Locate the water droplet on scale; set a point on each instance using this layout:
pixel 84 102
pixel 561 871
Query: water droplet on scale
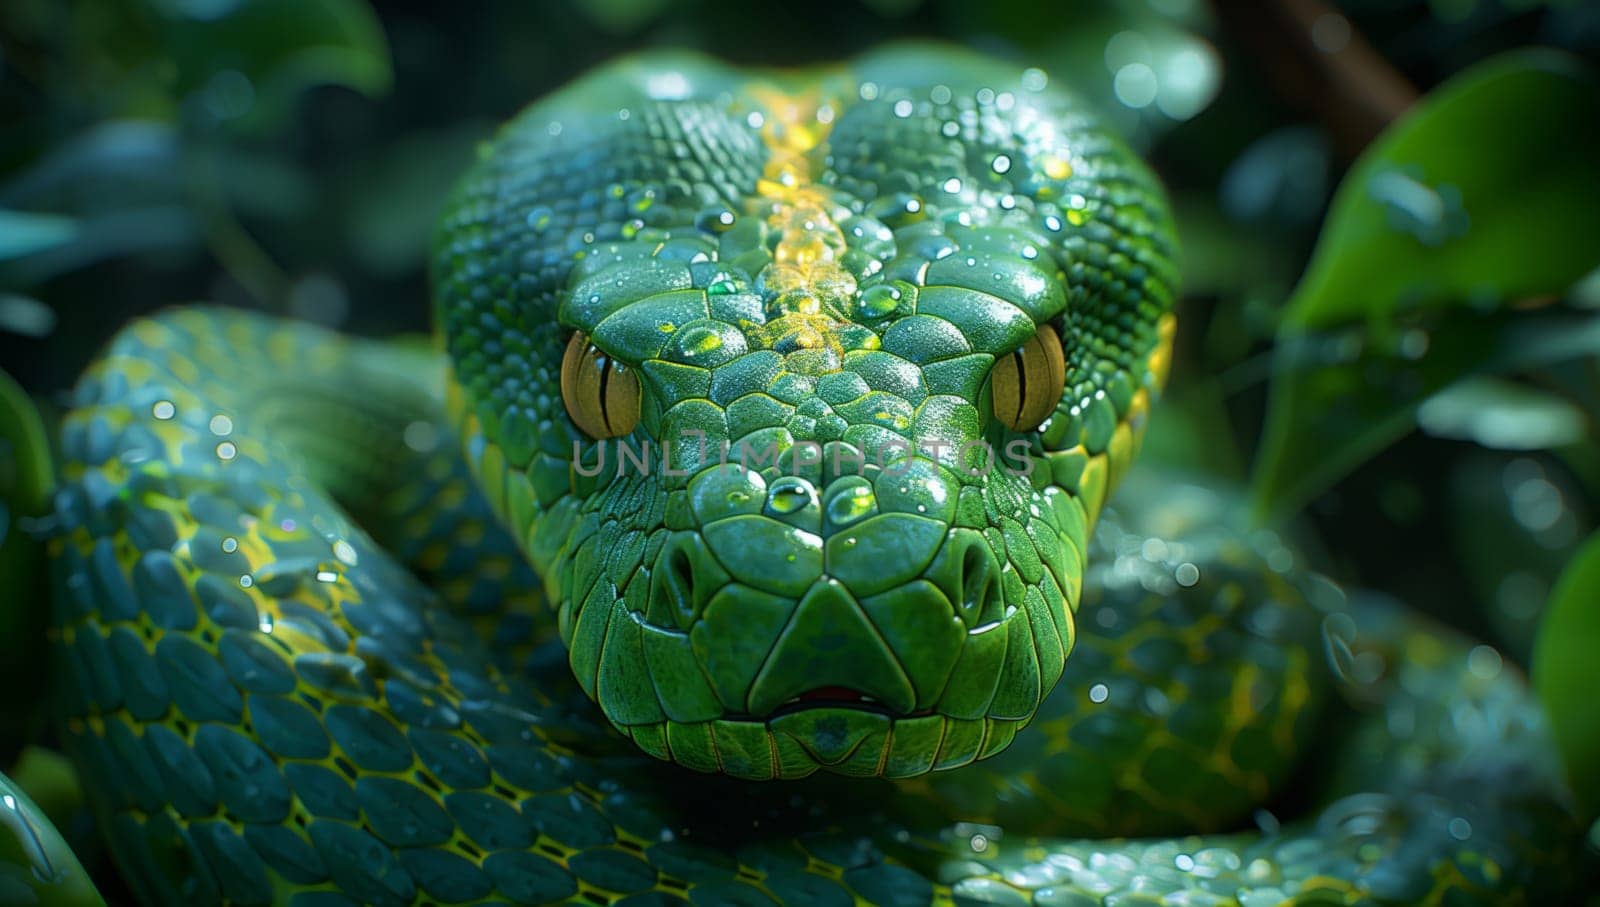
pixel 880 300
pixel 345 552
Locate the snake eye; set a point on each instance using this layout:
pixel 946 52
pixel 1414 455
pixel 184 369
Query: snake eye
pixel 601 394
pixel 1028 383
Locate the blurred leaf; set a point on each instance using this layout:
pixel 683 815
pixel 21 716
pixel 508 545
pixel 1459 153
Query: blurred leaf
pixel 120 186
pixel 109 235
pixel 247 60
pixel 26 316
pixel 1340 397
pixel 24 232
pixel 1487 192
pixel 115 164
pixel 1564 672
pixel 1501 415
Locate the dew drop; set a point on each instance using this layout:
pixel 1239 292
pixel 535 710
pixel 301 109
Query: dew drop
pixel 1187 574
pixel 715 219
pixel 880 300
pixel 789 494
pixel 1484 662
pixel 851 505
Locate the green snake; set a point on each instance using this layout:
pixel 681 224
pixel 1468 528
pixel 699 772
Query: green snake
pixel 730 544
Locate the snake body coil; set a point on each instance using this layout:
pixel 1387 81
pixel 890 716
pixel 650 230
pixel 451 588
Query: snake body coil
pixel 343 622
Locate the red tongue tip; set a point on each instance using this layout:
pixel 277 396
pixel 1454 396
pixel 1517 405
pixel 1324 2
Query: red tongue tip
pixel 833 694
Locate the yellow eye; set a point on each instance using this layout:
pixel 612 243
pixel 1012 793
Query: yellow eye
pixel 1028 383
pixel 601 394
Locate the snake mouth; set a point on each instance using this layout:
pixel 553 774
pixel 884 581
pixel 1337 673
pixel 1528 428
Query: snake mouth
pixel 838 697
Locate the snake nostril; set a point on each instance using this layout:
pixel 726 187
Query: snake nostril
pixel 980 586
pixel 672 600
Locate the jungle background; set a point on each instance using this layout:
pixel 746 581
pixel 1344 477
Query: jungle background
pixel 1390 227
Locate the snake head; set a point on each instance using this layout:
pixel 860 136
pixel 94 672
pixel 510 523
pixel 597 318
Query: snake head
pixel 803 392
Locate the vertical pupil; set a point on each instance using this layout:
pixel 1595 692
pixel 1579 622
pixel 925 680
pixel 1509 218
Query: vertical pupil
pixel 603 366
pixel 1022 387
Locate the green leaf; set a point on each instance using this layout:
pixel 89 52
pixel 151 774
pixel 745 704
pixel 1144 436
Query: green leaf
pixel 26 480
pixel 23 233
pixel 1484 195
pixel 1564 673
pixel 1339 398
pixel 1487 192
